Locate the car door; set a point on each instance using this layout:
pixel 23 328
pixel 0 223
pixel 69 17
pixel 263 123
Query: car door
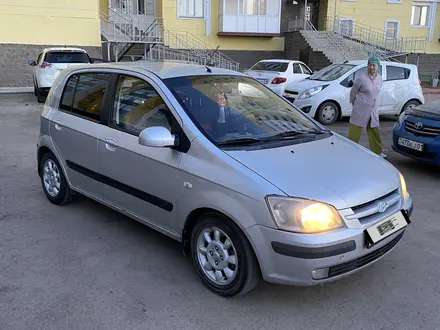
pixel 76 127
pixel 396 88
pixel 141 180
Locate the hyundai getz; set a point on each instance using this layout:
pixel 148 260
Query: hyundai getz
pixel 249 185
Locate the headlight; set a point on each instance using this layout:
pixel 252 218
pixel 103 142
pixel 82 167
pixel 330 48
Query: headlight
pixel 403 185
pixel 303 216
pixel 310 92
pixel 401 117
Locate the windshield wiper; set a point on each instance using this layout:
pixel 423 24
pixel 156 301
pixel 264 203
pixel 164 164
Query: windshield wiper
pixel 239 141
pixel 294 134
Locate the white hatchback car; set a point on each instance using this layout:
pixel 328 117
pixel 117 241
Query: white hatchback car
pixel 325 95
pixel 50 63
pixel 276 74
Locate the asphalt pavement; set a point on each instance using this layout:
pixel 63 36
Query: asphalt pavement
pixel 84 266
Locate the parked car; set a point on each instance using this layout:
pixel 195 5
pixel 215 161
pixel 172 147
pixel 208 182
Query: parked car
pixel 276 74
pixel 325 95
pixel 50 63
pixel 417 133
pixel 219 162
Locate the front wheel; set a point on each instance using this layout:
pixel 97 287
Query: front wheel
pixel 54 183
pixel 223 257
pixel 328 113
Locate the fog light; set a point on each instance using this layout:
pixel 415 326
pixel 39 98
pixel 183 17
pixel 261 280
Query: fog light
pixel 306 109
pixel 319 274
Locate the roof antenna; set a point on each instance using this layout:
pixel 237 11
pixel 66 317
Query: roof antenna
pixel 208 69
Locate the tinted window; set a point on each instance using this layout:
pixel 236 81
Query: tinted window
pixel 270 66
pixel 89 95
pixel 69 91
pixel 138 106
pixel 397 73
pixel 66 57
pixel 296 68
pixel 305 69
pixel 226 108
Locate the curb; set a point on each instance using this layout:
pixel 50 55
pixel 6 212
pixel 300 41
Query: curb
pixel 16 90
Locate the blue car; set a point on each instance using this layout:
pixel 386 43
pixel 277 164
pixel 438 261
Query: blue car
pixel 417 133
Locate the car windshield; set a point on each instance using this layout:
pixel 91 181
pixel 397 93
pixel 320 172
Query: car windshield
pixel 232 108
pixel 270 66
pixel 331 72
pixel 67 57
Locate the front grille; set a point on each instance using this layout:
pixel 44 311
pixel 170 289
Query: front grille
pixel 424 130
pixel 369 212
pixel 363 261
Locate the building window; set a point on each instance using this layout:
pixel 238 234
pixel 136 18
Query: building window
pixel 248 7
pixel 394 1
pixel 391 29
pixel 420 15
pixel 191 8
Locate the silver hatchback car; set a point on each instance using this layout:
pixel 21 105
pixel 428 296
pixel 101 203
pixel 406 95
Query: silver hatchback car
pixel 250 185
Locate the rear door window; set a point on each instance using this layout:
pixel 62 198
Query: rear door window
pixel 84 95
pixel 66 57
pixel 397 73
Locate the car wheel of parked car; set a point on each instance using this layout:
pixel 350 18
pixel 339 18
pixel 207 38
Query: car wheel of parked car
pixel 223 257
pixel 410 105
pixel 53 181
pixel 40 96
pixel 328 113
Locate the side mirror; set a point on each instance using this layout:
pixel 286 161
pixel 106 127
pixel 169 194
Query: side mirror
pixel 350 83
pixel 157 137
pixel 32 63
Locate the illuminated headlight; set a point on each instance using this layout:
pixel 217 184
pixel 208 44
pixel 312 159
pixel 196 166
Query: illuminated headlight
pixel 310 92
pixel 303 216
pixel 403 186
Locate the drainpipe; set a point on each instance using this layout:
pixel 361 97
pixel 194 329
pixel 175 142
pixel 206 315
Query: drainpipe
pixel 305 14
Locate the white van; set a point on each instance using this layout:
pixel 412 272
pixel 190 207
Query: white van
pixel 325 95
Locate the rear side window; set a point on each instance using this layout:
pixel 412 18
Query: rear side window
pixel 397 73
pixel 84 95
pixel 296 68
pixel 66 57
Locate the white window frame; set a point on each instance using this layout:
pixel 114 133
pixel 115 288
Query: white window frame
pixel 428 18
pixel 394 2
pixel 191 17
pixel 243 9
pixel 397 29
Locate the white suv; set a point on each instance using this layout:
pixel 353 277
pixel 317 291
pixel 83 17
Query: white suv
pixel 325 95
pixel 50 63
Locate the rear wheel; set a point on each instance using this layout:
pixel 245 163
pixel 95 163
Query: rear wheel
pixel 328 113
pixel 223 257
pixel 41 97
pixel 54 184
pixel 410 105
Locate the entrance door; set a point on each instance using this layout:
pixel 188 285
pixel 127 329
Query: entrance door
pixel 146 7
pixel 346 27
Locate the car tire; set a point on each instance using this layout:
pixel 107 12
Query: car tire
pixel 229 269
pixel 328 113
pixel 41 98
pixel 53 181
pixel 35 89
pixel 409 105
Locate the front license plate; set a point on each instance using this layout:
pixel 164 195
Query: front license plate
pixel 410 144
pixel 387 227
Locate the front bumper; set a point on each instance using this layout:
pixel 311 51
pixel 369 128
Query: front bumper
pixel 307 106
pixel 430 153
pixel 306 260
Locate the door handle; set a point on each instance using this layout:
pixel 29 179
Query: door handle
pixel 58 125
pixel 111 140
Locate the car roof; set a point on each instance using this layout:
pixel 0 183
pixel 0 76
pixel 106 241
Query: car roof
pixel 359 62
pixel 281 60
pixel 68 49
pixel 163 69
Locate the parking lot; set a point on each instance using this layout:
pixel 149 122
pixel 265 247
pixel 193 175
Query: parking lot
pixel 84 266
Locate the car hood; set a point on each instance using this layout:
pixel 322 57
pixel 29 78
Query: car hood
pixel 333 170
pixel 305 84
pixel 427 110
